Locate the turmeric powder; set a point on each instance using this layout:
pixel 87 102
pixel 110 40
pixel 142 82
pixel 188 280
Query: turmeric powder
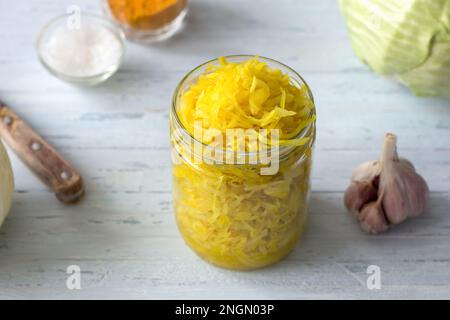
pixel 146 14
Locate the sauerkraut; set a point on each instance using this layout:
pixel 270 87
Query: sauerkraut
pixel 231 214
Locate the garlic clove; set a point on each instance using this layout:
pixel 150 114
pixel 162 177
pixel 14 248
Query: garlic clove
pixel 372 218
pixel 358 194
pixel 364 186
pixel 395 204
pixel 405 196
pixel 366 171
pixel 407 163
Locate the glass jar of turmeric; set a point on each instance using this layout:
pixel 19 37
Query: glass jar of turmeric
pixel 242 133
pixel 147 20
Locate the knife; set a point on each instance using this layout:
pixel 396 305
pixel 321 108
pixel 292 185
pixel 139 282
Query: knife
pixel 48 165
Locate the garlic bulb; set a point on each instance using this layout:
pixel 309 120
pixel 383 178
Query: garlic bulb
pixel 386 192
pixel 6 184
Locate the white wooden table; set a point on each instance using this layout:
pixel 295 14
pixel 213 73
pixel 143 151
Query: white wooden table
pixel 123 235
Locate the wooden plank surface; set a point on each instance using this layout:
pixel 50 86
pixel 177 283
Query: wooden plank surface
pixel 123 235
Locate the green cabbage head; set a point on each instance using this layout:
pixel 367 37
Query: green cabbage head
pixel 409 39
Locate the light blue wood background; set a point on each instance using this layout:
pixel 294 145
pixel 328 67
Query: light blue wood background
pixel 123 235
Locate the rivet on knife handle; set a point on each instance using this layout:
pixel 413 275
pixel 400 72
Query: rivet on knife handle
pixel 40 157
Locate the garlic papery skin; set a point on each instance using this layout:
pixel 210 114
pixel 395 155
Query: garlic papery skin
pixel 386 192
pixel 6 184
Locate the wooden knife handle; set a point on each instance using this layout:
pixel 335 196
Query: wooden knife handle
pixel 40 157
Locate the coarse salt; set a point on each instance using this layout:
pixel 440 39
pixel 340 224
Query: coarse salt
pixel 90 50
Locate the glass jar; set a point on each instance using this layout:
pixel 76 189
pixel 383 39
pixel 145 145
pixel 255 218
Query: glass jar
pixel 147 20
pixel 231 214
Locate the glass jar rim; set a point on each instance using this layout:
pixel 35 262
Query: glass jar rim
pixel 284 150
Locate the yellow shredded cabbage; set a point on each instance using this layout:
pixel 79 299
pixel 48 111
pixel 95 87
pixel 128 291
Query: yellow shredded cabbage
pixel 230 214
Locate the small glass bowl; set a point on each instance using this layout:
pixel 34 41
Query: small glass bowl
pixel 146 36
pixel 93 19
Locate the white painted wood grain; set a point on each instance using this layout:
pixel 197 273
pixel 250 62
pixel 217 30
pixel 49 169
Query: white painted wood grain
pixel 123 234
